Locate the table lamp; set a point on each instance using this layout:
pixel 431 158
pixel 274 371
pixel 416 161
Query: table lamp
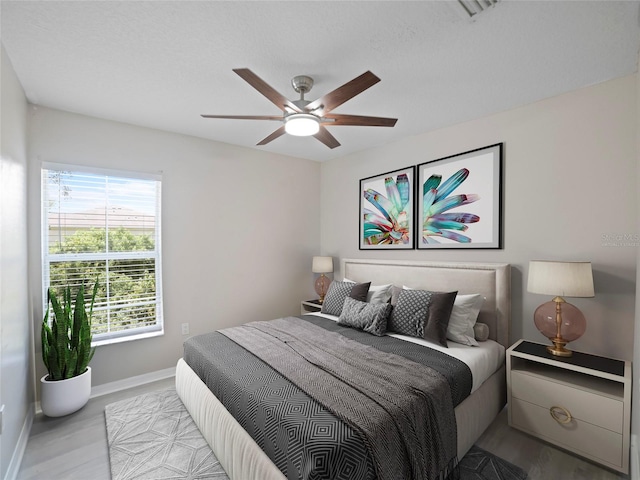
pixel 558 320
pixel 322 265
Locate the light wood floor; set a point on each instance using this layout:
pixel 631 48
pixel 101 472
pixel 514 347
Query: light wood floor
pixel 539 459
pixel 75 447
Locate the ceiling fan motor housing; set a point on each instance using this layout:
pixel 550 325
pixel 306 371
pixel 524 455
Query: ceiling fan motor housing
pixel 302 83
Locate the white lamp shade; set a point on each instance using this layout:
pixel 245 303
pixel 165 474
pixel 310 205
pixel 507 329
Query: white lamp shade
pixel 322 265
pixel 564 279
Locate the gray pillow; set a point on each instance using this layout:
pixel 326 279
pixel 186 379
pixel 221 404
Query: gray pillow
pixel 377 293
pixel 422 314
pixel 338 292
pixel 395 293
pixel 359 291
pixel 370 317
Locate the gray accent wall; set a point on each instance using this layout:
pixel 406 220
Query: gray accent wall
pixel 16 377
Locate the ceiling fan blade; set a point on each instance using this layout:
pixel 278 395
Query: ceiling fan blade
pixel 256 82
pixel 341 94
pixel 339 119
pixel 245 117
pixel 325 137
pixel 278 133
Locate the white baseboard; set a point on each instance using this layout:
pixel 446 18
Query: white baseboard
pixel 634 458
pixel 18 453
pixel 130 382
pixel 118 385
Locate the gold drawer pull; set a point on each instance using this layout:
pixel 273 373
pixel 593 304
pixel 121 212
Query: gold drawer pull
pixel 560 414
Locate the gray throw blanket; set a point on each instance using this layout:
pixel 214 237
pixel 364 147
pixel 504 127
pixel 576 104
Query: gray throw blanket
pixel 402 410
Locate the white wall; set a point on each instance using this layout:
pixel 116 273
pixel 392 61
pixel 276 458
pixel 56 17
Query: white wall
pixel 16 392
pixel 569 178
pixel 239 228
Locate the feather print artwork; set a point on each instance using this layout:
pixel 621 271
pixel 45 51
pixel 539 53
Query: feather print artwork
pixel 389 223
pixel 437 221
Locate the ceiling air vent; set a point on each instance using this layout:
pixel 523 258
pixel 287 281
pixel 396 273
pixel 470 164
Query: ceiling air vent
pixel 474 7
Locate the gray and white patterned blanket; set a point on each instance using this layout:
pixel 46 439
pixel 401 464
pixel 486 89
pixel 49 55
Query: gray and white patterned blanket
pixel 310 439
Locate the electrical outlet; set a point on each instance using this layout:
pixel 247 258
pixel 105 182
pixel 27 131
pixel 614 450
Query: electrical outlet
pixel 185 329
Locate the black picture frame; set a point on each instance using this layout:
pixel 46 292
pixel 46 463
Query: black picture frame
pixel 459 201
pixel 387 211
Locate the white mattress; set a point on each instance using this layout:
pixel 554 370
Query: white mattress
pixel 483 360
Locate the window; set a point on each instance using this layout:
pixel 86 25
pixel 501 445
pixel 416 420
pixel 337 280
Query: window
pixel 105 225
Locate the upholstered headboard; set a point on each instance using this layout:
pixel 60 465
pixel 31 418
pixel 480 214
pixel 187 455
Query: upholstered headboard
pixel 492 280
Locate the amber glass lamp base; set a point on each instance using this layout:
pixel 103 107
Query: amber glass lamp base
pixel 322 286
pixel 561 323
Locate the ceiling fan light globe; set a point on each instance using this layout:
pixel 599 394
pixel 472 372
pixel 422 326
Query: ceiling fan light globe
pixel 301 124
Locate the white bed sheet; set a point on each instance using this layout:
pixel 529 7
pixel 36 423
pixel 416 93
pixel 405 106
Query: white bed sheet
pixel 483 360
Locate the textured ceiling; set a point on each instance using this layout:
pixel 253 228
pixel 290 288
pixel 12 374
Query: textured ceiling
pixel 161 64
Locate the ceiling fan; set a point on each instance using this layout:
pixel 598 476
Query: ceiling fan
pixel 303 117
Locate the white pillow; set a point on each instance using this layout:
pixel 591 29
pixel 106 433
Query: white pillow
pixel 463 317
pixel 377 293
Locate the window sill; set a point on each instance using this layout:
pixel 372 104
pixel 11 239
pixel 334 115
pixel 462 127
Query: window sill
pixel 126 338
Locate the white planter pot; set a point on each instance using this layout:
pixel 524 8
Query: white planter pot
pixel 63 397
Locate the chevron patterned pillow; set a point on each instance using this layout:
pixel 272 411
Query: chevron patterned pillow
pixel 370 317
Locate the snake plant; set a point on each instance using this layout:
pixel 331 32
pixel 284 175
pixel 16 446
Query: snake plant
pixel 66 343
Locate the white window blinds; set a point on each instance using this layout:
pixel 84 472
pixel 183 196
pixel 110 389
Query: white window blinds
pixel 105 226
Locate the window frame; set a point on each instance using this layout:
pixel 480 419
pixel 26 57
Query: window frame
pixel 156 254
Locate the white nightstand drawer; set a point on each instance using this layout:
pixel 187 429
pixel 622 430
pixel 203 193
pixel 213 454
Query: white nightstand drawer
pixel 599 410
pixel 591 441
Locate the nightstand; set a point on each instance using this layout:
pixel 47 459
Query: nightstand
pixel 308 306
pixel 581 403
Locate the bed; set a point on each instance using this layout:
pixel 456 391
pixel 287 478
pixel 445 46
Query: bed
pixel 240 455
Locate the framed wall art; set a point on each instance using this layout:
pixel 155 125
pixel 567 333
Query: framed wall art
pixel 459 200
pixel 386 210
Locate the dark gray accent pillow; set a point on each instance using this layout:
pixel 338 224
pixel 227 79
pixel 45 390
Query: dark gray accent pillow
pixel 439 314
pixel 370 317
pixel 422 314
pixel 359 291
pixel 338 292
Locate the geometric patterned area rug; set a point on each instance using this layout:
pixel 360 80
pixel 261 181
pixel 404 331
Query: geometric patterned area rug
pixel 478 464
pixel 153 437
